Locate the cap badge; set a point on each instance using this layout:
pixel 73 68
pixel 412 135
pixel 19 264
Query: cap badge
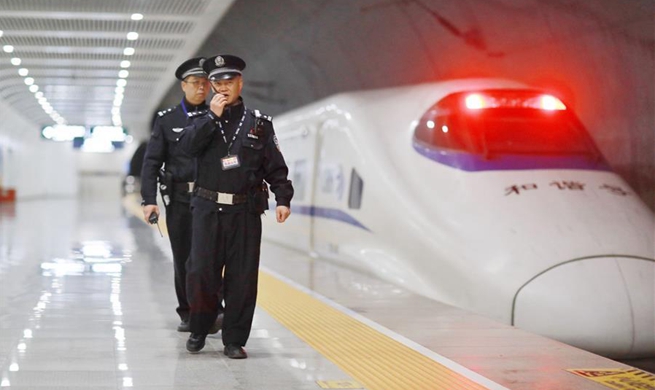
pixel 219 61
pixel 202 61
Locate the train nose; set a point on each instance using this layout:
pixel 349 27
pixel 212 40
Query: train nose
pixel 605 305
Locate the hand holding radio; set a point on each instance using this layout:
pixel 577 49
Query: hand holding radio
pixel 217 104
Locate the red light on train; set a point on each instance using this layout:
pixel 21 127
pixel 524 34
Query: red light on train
pixel 550 103
pixel 476 101
pixel 479 101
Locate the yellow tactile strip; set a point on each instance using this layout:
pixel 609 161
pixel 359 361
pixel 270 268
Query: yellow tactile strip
pixel 375 360
pixel 370 357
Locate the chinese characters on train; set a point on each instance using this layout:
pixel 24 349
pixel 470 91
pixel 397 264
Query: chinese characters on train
pixel 564 185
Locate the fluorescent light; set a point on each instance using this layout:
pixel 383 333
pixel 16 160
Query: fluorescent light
pixel 15 61
pixel 137 17
pixel 29 80
pixel 23 72
pixel 63 133
pixel 34 88
pixel 129 51
pixel 125 64
pixel 8 48
pixel 97 145
pixel 123 74
pixel 121 82
pixel 132 36
pixel 109 133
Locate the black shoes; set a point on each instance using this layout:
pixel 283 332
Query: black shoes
pixel 184 327
pixel 218 324
pixel 235 351
pixel 196 342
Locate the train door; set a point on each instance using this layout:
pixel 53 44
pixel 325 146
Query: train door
pixel 334 225
pixel 298 147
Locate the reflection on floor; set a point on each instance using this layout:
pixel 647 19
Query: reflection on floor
pixel 87 302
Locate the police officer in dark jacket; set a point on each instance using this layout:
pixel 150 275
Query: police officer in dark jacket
pixel 177 176
pixel 237 151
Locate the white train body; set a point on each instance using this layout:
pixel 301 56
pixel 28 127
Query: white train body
pixel 551 244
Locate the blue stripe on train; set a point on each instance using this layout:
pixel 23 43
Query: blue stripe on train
pixel 324 212
pixel 473 162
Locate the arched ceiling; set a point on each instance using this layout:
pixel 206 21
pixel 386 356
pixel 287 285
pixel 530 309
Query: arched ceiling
pixel 70 53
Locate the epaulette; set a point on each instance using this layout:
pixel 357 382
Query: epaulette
pixel 194 114
pixel 258 114
pixel 166 111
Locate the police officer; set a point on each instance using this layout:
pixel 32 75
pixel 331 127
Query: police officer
pixel 237 150
pixel 177 176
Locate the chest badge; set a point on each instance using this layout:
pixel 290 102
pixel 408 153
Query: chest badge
pixel 254 133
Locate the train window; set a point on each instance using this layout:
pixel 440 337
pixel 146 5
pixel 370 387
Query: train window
pixel 356 190
pixel 529 132
pixel 503 122
pixel 440 128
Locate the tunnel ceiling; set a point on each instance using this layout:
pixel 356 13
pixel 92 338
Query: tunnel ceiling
pixel 73 51
pixel 598 55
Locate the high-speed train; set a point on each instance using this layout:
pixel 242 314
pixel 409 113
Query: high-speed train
pixel 484 194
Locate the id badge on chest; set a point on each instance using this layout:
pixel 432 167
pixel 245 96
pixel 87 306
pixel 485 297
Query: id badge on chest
pixel 230 162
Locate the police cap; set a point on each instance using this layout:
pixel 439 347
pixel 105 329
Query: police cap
pixel 192 67
pixel 223 66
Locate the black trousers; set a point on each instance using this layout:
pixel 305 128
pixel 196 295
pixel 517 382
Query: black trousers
pixel 229 238
pixel 178 222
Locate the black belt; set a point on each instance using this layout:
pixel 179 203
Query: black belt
pixel 183 186
pixel 220 197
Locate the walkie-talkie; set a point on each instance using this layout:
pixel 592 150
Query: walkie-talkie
pixel 154 219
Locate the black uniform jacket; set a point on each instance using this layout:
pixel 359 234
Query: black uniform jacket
pixel 163 148
pixel 256 146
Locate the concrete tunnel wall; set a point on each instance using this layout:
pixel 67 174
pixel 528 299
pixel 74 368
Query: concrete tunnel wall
pixel 599 55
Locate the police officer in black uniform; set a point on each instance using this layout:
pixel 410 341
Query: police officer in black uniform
pixel 237 151
pixel 177 175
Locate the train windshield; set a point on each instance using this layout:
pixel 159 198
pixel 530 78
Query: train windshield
pixel 498 122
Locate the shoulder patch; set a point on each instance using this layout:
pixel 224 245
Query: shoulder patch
pixel 258 114
pixel 166 111
pixel 277 143
pixel 194 114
